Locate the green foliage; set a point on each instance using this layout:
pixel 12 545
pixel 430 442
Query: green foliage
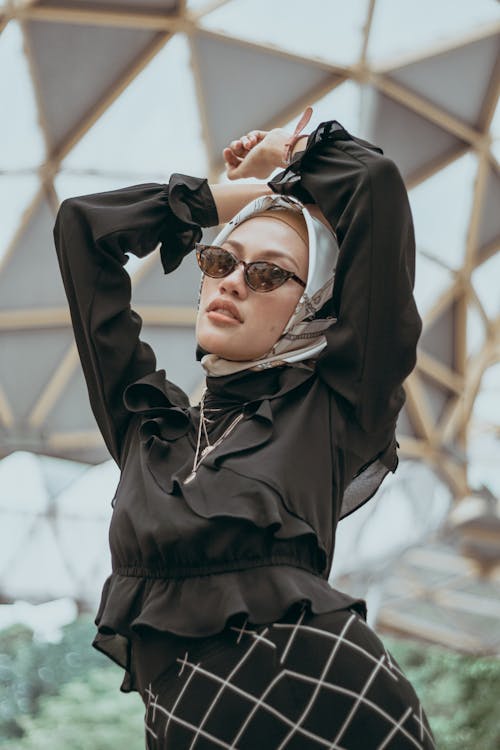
pixel 30 669
pixel 460 693
pixel 90 715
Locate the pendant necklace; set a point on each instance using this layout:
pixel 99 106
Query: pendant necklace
pixel 198 457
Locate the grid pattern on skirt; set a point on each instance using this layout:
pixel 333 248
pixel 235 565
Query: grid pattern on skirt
pixel 303 683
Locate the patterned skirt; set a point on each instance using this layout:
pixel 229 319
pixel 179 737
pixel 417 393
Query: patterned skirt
pixel 305 682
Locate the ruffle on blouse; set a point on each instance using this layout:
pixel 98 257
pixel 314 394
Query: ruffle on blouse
pixel 263 594
pixel 153 391
pixel 218 490
pixel 191 203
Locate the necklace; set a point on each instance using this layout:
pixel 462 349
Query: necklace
pixel 198 457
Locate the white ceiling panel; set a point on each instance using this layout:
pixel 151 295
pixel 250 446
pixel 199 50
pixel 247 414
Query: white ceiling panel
pixel 441 208
pixel 33 249
pixel 292 26
pixel 96 57
pixel 20 358
pixel 152 129
pixel 17 192
pixel 489 227
pixel 22 141
pixel 407 137
pixel 456 81
pixel 402 29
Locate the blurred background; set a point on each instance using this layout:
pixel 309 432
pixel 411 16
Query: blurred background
pixel 99 94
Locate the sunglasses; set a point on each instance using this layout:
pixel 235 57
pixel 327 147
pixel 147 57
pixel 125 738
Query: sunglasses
pixel 259 275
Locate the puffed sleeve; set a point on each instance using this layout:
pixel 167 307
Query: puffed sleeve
pixel 371 348
pixel 92 235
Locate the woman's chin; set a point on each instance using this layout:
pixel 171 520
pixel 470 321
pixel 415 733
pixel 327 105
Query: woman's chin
pixel 231 353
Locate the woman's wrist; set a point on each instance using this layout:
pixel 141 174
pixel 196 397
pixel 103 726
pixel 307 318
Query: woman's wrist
pixel 229 198
pixel 300 145
pixel 282 154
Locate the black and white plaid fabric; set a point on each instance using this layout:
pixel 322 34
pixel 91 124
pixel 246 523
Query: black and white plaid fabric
pixel 305 682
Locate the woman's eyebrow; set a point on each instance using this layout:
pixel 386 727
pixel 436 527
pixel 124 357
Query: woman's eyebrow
pixel 265 252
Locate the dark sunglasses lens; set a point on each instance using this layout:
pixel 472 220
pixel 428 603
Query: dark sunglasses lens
pixel 264 277
pixel 216 262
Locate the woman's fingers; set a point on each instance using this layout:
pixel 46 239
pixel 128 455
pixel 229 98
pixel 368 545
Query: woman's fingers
pixel 230 157
pixel 238 147
pixel 237 154
pixel 241 146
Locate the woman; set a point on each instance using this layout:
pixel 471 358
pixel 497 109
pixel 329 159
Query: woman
pixel 223 528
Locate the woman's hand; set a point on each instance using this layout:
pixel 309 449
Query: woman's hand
pixel 256 154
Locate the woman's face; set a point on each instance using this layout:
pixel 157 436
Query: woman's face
pixel 261 317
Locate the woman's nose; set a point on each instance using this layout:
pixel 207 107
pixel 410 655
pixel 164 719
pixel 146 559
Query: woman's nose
pixel 234 283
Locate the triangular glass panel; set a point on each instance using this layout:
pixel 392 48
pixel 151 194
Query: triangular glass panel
pixel 41 554
pixel 23 488
pixel 89 497
pixel 16 193
pixel 437 395
pixel 71 412
pixel 475 330
pixel 182 368
pixel 20 350
pixel 483 447
pixel 151 130
pixel 406 136
pixel 431 281
pixel 495 148
pixel 438 338
pixel 489 224
pixel 20 286
pixel 442 79
pixel 404 425
pixel 487 402
pixel 20 135
pixel 76 66
pixel 495 123
pixel 441 207
pixel 325 31
pixel 401 29
pixel 483 438
pixel 60 475
pixel 485 281
pixel 177 288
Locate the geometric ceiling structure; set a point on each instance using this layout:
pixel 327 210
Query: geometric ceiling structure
pixel 99 94
pixel 56 517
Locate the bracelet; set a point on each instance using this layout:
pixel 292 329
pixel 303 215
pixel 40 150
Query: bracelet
pixel 289 145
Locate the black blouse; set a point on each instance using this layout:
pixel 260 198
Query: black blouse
pixel 254 532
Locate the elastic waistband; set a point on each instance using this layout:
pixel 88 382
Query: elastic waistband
pixel 304 559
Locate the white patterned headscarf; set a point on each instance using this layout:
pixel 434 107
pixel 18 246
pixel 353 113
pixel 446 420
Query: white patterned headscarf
pixel 303 336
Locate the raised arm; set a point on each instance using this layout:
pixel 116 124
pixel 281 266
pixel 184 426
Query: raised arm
pixel 92 235
pixel 371 348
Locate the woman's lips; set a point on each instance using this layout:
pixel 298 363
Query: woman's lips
pixel 222 316
pixel 223 311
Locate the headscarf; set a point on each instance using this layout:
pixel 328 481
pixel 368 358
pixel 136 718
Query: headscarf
pixel 303 337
